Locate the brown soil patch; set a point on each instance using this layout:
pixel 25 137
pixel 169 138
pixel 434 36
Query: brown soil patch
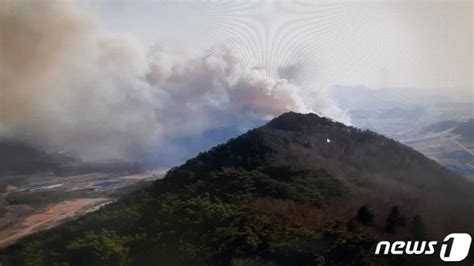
pixel 50 217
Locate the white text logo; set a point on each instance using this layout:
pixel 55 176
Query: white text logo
pixel 455 247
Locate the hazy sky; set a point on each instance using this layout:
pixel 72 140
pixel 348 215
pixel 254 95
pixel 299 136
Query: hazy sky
pixel 424 44
pixel 110 79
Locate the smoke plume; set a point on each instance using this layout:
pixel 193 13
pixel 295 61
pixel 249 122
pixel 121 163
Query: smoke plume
pixel 68 85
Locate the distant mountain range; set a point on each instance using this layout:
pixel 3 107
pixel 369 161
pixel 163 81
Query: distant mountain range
pixel 20 158
pixel 300 190
pixel 362 97
pixel 464 129
pixel 379 108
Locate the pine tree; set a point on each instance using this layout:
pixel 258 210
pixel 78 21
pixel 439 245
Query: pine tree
pixel 394 221
pixel 365 216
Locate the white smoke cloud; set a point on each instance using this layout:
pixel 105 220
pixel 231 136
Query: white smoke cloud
pixel 68 85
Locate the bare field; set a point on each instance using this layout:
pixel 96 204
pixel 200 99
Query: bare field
pixel 49 217
pixel 25 206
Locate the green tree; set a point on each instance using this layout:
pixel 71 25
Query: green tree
pixel 103 248
pixel 365 216
pixel 394 221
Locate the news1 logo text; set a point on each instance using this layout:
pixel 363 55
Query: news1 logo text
pixel 454 248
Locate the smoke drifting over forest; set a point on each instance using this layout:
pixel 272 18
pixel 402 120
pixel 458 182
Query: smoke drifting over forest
pixel 69 85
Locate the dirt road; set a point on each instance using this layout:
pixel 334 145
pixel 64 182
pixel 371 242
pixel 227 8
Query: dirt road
pixel 48 218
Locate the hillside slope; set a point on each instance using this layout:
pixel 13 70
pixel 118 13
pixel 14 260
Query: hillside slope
pixel 300 190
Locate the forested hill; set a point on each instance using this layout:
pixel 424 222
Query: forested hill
pixel 301 190
pixel 360 156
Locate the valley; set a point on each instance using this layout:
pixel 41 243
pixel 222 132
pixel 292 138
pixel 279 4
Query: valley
pixel 440 126
pixel 42 201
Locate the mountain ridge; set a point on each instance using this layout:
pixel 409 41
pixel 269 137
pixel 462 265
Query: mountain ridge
pixel 279 194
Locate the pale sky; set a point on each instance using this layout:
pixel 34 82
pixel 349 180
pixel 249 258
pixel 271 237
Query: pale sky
pixel 111 78
pixel 421 44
